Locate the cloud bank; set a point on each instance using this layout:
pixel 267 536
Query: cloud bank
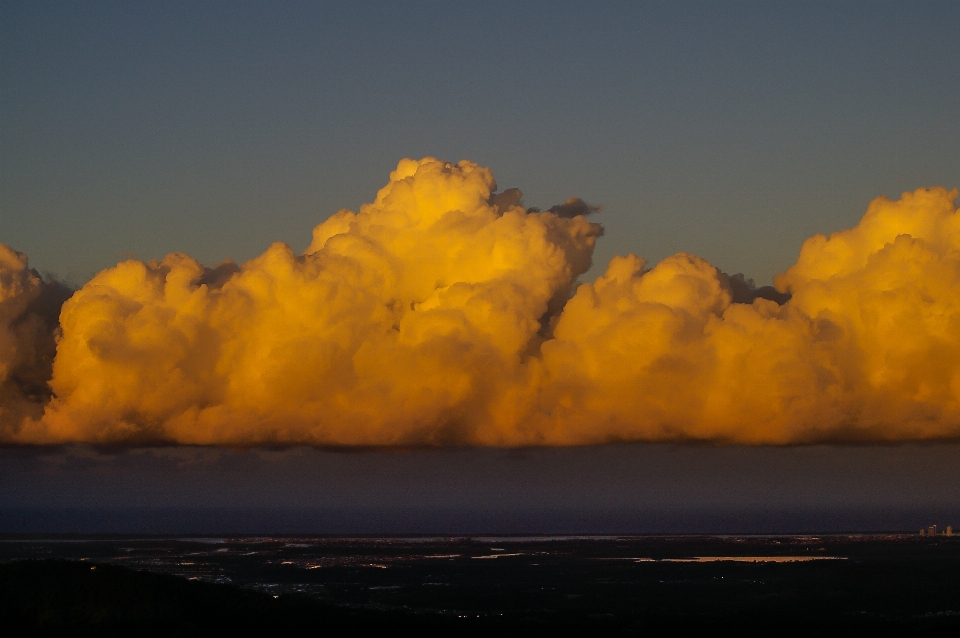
pixel 444 313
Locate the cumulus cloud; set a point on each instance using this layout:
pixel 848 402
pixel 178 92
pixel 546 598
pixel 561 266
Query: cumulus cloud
pixel 445 313
pixel 866 348
pixel 29 306
pixel 406 323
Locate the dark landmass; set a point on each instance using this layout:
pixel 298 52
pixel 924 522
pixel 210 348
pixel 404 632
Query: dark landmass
pixel 66 598
pixel 633 586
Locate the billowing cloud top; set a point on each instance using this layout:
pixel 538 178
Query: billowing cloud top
pixel 444 313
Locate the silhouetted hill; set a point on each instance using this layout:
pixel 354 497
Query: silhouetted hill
pixel 53 598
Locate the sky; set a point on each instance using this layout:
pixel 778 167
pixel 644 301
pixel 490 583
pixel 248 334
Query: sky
pixel 731 132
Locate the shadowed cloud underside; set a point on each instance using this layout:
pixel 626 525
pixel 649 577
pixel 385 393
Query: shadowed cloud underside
pixel 444 313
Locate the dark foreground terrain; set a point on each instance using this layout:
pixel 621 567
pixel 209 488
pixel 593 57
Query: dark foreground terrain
pixel 792 586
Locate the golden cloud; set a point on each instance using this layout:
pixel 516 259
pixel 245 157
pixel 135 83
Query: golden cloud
pixel 443 313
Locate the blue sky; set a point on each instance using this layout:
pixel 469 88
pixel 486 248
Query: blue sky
pixel 732 131
pixel 729 130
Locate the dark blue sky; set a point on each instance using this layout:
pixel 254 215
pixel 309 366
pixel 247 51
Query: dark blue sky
pixel 638 488
pixel 732 131
pixel 729 130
